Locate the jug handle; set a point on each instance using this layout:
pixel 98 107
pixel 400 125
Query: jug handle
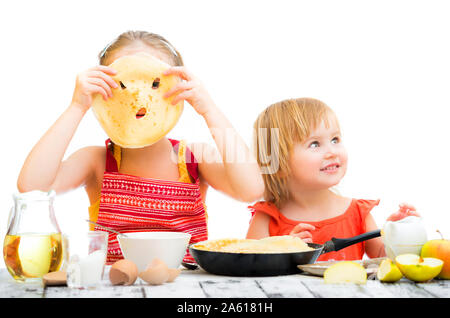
pixel 9 220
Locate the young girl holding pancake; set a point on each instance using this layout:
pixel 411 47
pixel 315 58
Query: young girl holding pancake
pixel 303 138
pixel 160 187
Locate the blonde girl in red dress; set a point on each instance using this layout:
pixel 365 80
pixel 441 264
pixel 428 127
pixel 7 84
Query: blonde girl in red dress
pixel 299 144
pixel 162 186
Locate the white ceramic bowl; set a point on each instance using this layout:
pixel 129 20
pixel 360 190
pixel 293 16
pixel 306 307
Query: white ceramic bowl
pixel 143 247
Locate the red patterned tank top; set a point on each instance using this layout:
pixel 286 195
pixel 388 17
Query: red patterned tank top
pixel 134 204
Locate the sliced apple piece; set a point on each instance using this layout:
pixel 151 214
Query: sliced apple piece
pixel 345 272
pixel 419 269
pixel 388 272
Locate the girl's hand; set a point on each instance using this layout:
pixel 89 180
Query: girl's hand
pixel 302 230
pixel 95 80
pixel 405 210
pixel 190 90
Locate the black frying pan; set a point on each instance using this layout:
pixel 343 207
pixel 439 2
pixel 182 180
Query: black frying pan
pixel 270 264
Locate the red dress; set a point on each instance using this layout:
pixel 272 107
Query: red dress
pixel 350 223
pixel 134 204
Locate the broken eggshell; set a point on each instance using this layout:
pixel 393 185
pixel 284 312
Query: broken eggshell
pixel 173 273
pixel 123 272
pixel 158 273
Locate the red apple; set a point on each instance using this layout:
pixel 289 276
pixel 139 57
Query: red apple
pixel 439 249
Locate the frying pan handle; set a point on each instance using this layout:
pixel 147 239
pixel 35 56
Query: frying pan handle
pixel 337 244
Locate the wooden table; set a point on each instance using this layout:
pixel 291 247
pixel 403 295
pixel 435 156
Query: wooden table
pixel 200 284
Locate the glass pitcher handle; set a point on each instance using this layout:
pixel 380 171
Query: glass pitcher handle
pixel 9 220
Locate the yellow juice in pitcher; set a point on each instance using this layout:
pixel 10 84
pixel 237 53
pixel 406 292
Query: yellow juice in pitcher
pixel 30 256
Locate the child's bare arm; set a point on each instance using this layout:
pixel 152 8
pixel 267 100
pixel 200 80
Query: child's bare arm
pixel 239 180
pixel 44 168
pixel 239 172
pixel 80 169
pixel 41 167
pixel 374 247
pixel 259 226
pixel 231 168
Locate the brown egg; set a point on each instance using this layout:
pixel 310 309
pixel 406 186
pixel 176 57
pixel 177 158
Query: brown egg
pixel 123 272
pixel 156 273
pixel 173 273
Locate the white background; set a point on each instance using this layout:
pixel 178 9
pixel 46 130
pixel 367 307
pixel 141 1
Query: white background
pixel 383 66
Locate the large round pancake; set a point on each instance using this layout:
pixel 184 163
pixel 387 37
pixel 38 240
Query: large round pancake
pixel 137 77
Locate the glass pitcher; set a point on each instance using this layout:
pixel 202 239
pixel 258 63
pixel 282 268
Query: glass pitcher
pixel 33 244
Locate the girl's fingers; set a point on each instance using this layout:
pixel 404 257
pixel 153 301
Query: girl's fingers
pixel 408 209
pixel 306 239
pixel 301 234
pixel 101 83
pixel 305 235
pixel 105 69
pixel 182 96
pixel 99 90
pixel 182 86
pixel 180 71
pixel 303 227
pixel 414 213
pixel 397 216
pixel 105 77
pixel 406 206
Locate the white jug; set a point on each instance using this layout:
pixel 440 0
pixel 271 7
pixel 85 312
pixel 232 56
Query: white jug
pixel 407 235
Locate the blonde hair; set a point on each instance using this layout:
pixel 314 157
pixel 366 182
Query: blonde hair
pixel 277 129
pixel 151 39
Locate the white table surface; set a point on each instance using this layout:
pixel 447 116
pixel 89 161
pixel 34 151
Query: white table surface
pixel 200 284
